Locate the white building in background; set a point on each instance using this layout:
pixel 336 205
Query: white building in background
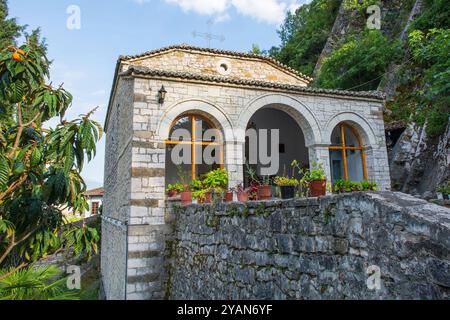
pixel 95 200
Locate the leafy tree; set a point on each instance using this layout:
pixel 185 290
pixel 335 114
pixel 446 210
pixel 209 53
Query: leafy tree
pixel 39 167
pixel 304 34
pixel 360 63
pixel 9 29
pixel 423 95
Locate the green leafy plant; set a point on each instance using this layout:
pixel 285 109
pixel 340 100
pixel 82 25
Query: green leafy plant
pixel 359 63
pixel 316 173
pixel 195 185
pixel 178 187
pixel 31 284
pixel 285 181
pixel 39 167
pixel 200 195
pixel 83 240
pixel 216 180
pixel 444 188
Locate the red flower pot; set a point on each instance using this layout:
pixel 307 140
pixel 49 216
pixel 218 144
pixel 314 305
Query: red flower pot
pixel 242 196
pixel 186 197
pixel 208 197
pixel 228 197
pixel 264 192
pixel 318 188
pixel 172 193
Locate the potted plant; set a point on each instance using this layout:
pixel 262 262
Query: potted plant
pixel 339 186
pixel 317 180
pixel 369 186
pixel 444 191
pixel 194 186
pixel 287 186
pixel 303 183
pixel 174 189
pixel 264 189
pixel 216 181
pixel 186 195
pixel 242 193
pixel 228 196
pixel 202 196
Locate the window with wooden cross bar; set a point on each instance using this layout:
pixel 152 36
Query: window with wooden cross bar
pixel 347 154
pixel 197 135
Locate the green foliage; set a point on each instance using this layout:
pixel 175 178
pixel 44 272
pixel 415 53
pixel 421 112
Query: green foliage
pixel 216 180
pixel 83 240
pixel 304 34
pixel 195 185
pixel 444 188
pixel 360 5
pixel 285 181
pixel 9 29
pixel 31 284
pixel 316 173
pixel 39 168
pixel 360 62
pixel 348 186
pixel 179 187
pixel 423 94
pixel 436 14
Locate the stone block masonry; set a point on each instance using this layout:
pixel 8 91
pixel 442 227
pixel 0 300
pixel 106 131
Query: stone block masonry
pixel 310 249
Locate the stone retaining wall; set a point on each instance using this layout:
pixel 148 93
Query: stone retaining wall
pixel 310 249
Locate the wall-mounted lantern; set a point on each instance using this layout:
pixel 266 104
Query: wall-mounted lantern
pixel 162 95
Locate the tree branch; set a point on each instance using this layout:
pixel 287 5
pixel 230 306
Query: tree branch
pixel 19 131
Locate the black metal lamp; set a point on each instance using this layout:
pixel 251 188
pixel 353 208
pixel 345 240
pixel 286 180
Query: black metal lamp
pixel 162 95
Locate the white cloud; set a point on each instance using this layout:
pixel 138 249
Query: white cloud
pixel 207 7
pixel 268 11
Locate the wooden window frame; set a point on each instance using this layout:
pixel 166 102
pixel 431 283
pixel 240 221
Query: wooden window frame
pixel 343 147
pixel 194 143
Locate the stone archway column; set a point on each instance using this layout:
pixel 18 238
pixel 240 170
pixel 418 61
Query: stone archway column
pixel 234 159
pixel 320 153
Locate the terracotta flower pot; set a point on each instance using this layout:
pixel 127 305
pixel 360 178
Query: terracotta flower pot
pixel 228 197
pixel 208 197
pixel 172 193
pixel 318 188
pixel 242 196
pixel 186 197
pixel 264 192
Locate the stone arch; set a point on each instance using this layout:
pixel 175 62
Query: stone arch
pixel 358 122
pixel 297 110
pixel 202 107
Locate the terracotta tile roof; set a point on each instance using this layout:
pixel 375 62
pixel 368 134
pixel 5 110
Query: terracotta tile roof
pixel 99 192
pixel 139 70
pixel 219 52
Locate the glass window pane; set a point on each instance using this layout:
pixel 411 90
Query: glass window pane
pixel 177 172
pixel 337 165
pixel 208 159
pixel 350 139
pixel 201 126
pixel 181 130
pixel 336 139
pixel 354 165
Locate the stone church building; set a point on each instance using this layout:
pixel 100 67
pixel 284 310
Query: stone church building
pixel 185 86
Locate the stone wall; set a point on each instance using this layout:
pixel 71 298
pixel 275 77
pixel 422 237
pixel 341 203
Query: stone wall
pixel 117 184
pixel 205 63
pixel 311 249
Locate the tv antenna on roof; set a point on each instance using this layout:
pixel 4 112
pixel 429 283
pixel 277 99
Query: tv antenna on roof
pixel 208 36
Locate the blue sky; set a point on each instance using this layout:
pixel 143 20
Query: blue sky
pixel 84 59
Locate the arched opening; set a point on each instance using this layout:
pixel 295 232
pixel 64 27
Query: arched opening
pixel 347 154
pixel 194 147
pixel 290 146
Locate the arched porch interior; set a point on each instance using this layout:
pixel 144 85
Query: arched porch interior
pixel 291 144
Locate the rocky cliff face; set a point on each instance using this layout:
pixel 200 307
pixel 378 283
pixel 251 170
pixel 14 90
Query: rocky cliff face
pixel 419 163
